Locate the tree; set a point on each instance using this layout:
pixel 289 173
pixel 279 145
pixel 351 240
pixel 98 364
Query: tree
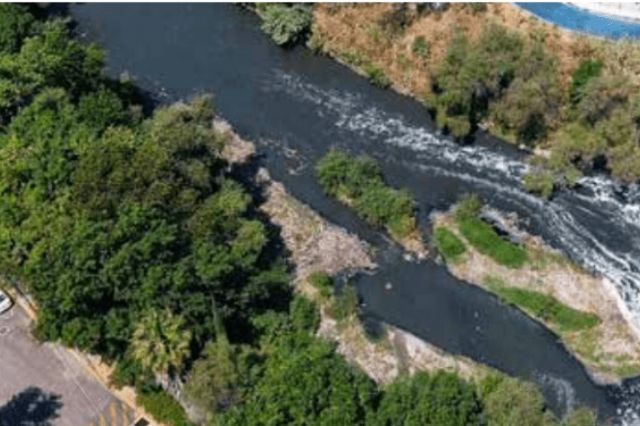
pixel 442 399
pixel 531 104
pixel 508 401
pixel 285 24
pixel 16 23
pixel 218 378
pixel 471 75
pixel 305 382
pixel 160 341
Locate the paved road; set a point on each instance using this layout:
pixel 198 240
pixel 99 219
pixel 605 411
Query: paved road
pixel 44 385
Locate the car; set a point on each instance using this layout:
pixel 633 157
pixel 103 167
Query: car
pixel 5 302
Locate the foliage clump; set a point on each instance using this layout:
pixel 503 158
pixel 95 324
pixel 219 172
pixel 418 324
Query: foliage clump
pixel 439 399
pixel 420 47
pixel 321 282
pixel 286 24
pixel 358 182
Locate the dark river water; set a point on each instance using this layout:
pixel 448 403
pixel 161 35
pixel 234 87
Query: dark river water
pixel 295 106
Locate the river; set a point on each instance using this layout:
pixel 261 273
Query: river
pixel 295 106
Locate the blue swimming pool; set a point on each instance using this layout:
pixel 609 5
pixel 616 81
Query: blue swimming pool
pixel 576 19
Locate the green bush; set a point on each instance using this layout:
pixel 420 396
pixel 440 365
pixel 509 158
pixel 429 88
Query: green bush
pixel 485 239
pixel 321 282
pixel 546 308
pixel 448 244
pixel 358 182
pixel 345 304
pixel 304 314
pixel 539 182
pixel 163 408
pixel 588 69
pixel 376 76
pixel 420 47
pixel 285 24
pixel 508 401
pixel 469 205
pixel 442 399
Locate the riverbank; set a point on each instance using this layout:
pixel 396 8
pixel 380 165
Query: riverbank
pixel 408 49
pixel 317 246
pixel 598 334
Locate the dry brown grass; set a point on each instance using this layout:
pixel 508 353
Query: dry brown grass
pixel 354 29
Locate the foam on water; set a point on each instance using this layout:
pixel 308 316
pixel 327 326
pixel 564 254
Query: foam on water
pixel 619 207
pixel 565 217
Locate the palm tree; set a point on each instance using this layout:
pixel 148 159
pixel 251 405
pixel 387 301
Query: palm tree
pixel 160 342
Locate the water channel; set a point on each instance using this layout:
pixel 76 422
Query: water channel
pixel 295 106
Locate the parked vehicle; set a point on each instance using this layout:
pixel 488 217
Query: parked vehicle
pixel 5 302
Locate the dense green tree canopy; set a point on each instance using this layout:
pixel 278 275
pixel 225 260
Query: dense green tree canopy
pixel 304 382
pixel 107 217
pixel 442 399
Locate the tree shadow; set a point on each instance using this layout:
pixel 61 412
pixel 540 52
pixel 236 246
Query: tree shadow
pixel 31 407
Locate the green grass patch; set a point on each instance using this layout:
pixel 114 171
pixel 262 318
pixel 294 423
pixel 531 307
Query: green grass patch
pixel 448 244
pixel 485 239
pixel 544 307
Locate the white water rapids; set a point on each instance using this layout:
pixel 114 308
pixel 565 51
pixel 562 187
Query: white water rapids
pixel 572 217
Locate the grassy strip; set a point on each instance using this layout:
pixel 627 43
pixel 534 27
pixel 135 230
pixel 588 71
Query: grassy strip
pixel 448 244
pixel 544 307
pixel 485 239
pixel 358 182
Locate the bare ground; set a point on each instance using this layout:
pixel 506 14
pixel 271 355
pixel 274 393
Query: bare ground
pixel 611 350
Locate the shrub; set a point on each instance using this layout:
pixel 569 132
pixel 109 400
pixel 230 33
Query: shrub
pixel 508 401
pixel 485 239
pixel 539 182
pixel 588 69
pixel 304 314
pixel 358 182
pixel 469 205
pixel 396 19
pixel 162 407
pixel 448 244
pixel 442 399
pixel 321 282
pixel 420 47
pixel 376 76
pixel 345 304
pixel 285 24
pixel 546 308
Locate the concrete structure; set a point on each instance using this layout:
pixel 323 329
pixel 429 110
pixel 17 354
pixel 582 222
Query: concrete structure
pixel 626 11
